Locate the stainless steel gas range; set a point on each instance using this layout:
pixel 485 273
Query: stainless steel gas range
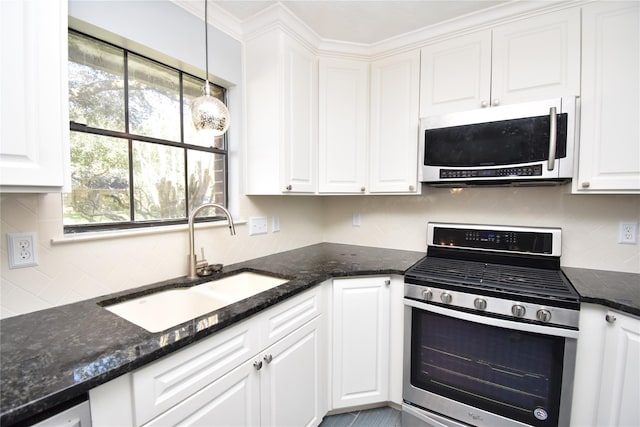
pixel 491 324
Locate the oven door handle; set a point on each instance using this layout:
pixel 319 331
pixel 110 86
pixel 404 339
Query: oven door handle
pixel 487 320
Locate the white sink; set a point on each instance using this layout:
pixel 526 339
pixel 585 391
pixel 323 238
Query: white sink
pixel 162 310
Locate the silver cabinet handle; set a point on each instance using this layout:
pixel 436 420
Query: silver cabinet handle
pixel 257 364
pixel 495 102
pixel 412 188
pixel 268 358
pixel 610 318
pixel 553 128
pixel 585 184
pixel 362 189
pixel 387 282
pixel 288 187
pixel 484 104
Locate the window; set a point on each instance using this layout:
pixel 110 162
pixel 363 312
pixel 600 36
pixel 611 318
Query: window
pixel 136 159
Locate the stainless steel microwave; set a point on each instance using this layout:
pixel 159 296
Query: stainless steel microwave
pixel 528 143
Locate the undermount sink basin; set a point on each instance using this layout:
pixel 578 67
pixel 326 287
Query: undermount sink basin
pixel 162 310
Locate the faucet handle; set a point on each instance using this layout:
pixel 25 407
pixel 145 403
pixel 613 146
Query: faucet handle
pixel 203 262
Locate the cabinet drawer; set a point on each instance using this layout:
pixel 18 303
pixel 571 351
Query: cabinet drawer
pixel 233 399
pixel 289 315
pixel 168 381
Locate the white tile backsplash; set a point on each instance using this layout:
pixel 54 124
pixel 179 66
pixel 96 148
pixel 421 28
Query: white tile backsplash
pixel 74 271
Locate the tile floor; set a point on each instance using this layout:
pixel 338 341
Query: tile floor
pixel 379 417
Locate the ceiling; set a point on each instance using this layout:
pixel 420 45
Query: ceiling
pixel 366 22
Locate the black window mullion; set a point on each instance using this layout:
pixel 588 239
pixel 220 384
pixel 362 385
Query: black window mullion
pixel 132 197
pixel 187 149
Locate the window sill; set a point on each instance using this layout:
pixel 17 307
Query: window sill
pixel 147 231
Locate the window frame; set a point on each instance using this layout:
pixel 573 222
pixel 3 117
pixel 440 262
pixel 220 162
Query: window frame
pixel 71 229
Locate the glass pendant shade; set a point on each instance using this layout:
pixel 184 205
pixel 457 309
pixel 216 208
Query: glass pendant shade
pixel 209 113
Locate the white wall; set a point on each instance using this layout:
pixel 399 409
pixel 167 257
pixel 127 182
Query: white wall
pixel 589 222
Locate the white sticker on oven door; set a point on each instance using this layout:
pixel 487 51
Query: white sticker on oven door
pixel 540 414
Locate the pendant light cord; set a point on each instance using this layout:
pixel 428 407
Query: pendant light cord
pixel 206 42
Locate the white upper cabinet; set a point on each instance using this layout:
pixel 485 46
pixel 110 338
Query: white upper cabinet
pixel 34 118
pixel 344 125
pixel 369 132
pixel 456 74
pixel 609 158
pixel 395 94
pixel 282 110
pixel 531 59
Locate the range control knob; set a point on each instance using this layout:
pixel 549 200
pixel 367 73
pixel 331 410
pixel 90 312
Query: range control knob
pixel 427 294
pixel 543 315
pixel 480 303
pixel 446 297
pixel 518 310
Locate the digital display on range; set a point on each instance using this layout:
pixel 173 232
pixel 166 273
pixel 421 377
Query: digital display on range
pixel 514 241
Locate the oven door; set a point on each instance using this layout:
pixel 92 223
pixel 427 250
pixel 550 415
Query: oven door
pixel 487 371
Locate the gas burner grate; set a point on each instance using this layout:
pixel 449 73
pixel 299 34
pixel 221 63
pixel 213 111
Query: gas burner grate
pixel 494 277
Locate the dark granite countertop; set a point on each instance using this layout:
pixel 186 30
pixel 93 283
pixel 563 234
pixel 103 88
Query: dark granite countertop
pixel 620 291
pixel 52 356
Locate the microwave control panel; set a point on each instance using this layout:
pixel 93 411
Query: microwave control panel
pixel 522 171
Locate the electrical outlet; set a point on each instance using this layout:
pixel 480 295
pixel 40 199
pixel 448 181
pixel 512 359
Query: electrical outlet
pixel 275 224
pixel 21 248
pixel 257 225
pixel 628 233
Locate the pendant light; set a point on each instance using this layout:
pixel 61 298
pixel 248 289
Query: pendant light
pixel 208 112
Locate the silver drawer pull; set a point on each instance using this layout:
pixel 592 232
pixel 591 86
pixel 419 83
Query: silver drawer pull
pixel 610 318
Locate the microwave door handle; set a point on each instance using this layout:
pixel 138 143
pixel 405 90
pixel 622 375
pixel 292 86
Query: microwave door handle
pixel 553 131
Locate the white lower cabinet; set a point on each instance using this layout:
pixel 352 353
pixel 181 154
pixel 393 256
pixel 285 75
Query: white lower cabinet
pixel 367 320
pixel 278 387
pixel 233 400
pixel 292 378
pixel 607 376
pixel 267 370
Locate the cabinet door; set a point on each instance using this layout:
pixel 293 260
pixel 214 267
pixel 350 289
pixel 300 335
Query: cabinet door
pixel 456 74
pixel 620 384
pixel 360 341
pixel 291 379
pixel 343 125
pixel 168 381
pixel 282 126
pixel 536 58
pixel 609 158
pixel 395 94
pixel 233 400
pixel 34 119
pixel 300 124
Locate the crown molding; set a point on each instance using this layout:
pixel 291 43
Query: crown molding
pixel 279 16
pixel 476 21
pixel 216 17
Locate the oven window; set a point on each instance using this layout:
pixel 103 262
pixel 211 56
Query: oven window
pixel 511 373
pixel 505 142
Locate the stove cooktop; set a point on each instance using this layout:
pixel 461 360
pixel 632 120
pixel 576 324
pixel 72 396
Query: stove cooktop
pixel 494 279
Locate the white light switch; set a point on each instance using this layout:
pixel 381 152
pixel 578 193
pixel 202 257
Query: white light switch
pixel 257 225
pixel 356 219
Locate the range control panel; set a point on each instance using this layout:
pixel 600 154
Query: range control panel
pixel 529 240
